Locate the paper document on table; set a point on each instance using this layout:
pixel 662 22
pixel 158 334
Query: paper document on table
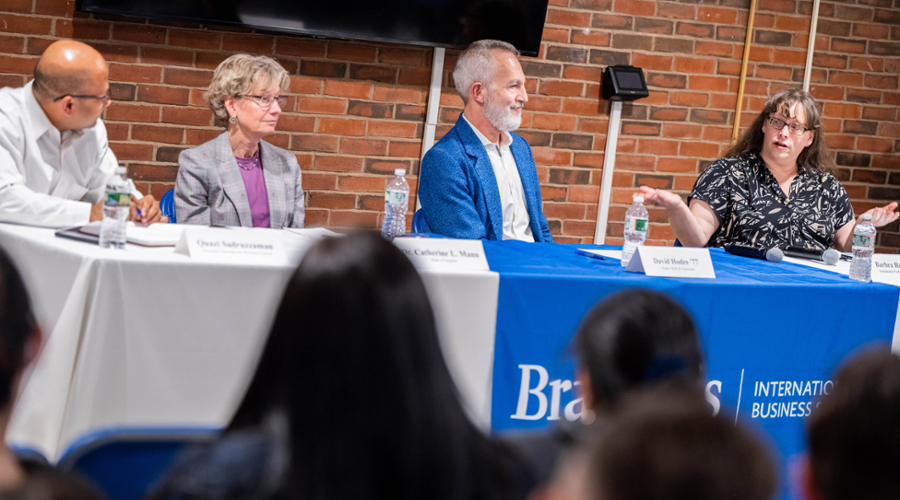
pixel 154 235
pixel 313 233
pixel 612 254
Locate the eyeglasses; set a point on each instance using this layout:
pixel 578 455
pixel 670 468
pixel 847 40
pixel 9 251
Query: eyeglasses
pixel 105 98
pixel 265 101
pixel 779 124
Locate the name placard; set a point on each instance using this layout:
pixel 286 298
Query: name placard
pixel 233 245
pixel 886 268
pixel 440 254
pixel 672 262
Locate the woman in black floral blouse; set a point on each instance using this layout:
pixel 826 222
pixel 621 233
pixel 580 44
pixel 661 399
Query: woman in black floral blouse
pixel 775 187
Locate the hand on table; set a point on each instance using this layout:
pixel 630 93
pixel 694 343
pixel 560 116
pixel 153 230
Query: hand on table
pixel 883 216
pixel 149 208
pixel 96 212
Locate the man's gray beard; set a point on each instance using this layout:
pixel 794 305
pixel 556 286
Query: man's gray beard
pixel 501 117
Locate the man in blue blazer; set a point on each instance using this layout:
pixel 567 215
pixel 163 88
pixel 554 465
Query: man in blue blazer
pixel 480 180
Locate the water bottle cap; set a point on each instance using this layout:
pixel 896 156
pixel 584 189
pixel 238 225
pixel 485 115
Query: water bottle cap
pixel 400 171
pixel 120 170
pixel 638 199
pixel 866 216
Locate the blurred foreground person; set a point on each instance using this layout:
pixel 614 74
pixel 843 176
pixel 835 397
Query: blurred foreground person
pixel 631 339
pixel 351 398
pixel 854 433
pixel 665 445
pixel 20 343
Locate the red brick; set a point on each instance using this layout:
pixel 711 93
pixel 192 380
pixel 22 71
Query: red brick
pixel 790 57
pixel 321 105
pixel 636 8
pixel 195 137
pixel 392 129
pixel 765 54
pixel 553 122
pixel 186 116
pixel 874 144
pixel 301 85
pixel 676 11
pixel 25 24
pixel 568 18
pixel 677 165
pixel 361 184
pixel 248 43
pixel 682 131
pixel 139 33
pixel 405 149
pixel 397 95
pixel 12 44
pixel 867 64
pixel 170 135
pixel 317 180
pixel 192 39
pixel 595 38
pixel 652 61
pixel 402 57
pixel 163 95
pixel 314 142
pixel 555 35
pixel 695 65
pixel 188 77
pixel 331 200
pixel 342 126
pixel 355 52
pixel 544 156
pixel 709 83
pixel 716 15
pixel 21 65
pixel 657 146
pixel 713 48
pixel 346 219
pixel 296 123
pixel 338 164
pixel 562 88
pixel 363 147
pixel 132 113
pixel 689 99
pixel 348 89
pixel 882 82
pixel 166 57
pixel 300 47
pixel 54 7
pixel 699 149
pixel 842 110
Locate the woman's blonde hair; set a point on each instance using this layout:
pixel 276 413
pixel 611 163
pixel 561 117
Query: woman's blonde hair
pixel 238 75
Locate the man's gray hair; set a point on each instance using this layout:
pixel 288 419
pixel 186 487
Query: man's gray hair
pixel 476 64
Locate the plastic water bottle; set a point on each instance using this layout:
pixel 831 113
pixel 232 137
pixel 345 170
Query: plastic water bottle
pixel 396 201
pixel 115 211
pixel 635 229
pixel 863 248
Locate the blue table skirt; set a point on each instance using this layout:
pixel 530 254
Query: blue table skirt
pixel 772 333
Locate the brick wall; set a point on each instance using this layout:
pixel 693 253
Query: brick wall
pixel 358 109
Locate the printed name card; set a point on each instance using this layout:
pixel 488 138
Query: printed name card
pixel 672 262
pixel 440 254
pixel 233 245
pixel 886 268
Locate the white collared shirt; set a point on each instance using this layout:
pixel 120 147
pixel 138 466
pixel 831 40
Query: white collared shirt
pixel 516 222
pixel 48 178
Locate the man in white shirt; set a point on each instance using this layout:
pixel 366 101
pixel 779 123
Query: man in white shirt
pixel 55 160
pixel 479 180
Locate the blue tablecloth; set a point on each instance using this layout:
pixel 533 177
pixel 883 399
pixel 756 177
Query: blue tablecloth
pixel 782 326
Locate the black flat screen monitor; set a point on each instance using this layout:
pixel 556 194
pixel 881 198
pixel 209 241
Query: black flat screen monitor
pixel 436 23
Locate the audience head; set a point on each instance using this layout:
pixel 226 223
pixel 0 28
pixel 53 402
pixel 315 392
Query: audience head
pixel 854 432
pixel 71 84
pixel 635 338
pixel 666 445
pixel 790 103
pixel 235 83
pixel 354 359
pixel 19 334
pixel 488 76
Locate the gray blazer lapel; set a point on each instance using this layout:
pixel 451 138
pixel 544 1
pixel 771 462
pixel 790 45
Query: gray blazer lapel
pixel 273 171
pixel 231 180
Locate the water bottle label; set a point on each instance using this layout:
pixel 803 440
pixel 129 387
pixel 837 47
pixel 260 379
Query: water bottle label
pixel 863 240
pixel 635 224
pixel 117 199
pixel 396 197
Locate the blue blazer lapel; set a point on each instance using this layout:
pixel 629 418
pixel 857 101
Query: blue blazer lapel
pixel 232 182
pixel 530 184
pixel 485 172
pixel 273 172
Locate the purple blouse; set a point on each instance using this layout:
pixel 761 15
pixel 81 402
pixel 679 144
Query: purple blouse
pixel 255 184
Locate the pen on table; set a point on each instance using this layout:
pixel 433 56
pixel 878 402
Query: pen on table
pixel 590 254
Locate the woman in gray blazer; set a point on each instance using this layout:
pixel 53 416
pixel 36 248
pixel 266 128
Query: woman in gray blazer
pixel 237 179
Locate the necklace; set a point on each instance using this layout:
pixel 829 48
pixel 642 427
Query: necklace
pixel 255 162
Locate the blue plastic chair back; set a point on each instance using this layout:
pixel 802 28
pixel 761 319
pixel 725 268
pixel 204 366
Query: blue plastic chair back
pixel 418 222
pixel 167 205
pixel 26 454
pixel 125 463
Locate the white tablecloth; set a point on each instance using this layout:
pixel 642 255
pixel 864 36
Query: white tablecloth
pixel 148 337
